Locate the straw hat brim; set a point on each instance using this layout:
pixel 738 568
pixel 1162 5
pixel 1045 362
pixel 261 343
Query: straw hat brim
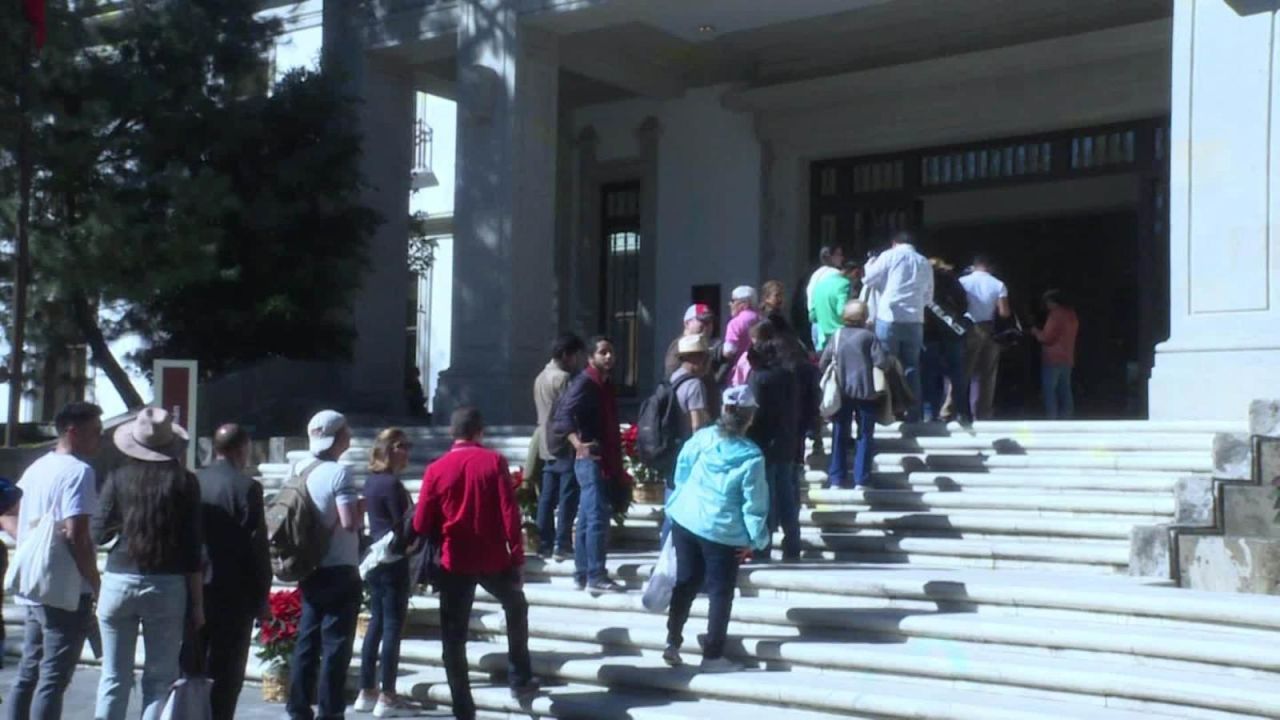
pixel 126 443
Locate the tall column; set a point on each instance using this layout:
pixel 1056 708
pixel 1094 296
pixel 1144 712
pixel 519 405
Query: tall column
pixel 1224 345
pixel 385 93
pixel 504 212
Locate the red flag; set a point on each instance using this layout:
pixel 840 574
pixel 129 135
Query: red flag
pixel 34 10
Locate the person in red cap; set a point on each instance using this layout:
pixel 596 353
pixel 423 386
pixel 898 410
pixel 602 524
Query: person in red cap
pixel 699 319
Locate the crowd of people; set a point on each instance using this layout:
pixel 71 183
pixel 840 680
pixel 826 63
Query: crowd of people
pixel 190 555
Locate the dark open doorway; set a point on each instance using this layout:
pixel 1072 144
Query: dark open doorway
pixel 1094 260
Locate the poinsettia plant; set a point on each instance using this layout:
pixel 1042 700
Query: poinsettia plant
pixel 636 468
pixel 279 633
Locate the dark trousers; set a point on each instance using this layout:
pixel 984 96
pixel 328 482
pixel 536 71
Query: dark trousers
pixel 457 593
pixel 388 608
pixel 863 414
pixel 702 564
pixel 326 634
pixel 226 637
pixel 557 506
pixel 51 647
pixel 784 507
pixel 944 361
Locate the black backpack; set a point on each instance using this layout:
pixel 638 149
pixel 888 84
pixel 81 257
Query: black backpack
pixel 660 426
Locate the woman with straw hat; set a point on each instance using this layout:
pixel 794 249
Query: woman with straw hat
pixel 149 511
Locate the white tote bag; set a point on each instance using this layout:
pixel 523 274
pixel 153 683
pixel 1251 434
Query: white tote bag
pixel 189 699
pixel 657 590
pixel 832 383
pixel 42 569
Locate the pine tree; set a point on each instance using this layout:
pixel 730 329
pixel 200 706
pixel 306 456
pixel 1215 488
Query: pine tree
pixel 172 192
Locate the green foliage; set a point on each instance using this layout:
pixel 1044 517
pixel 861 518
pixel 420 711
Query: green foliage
pixel 288 264
pixel 223 222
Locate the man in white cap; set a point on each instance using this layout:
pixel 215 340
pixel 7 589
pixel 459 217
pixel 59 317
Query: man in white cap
pixel 689 385
pixel 331 594
pixel 699 321
pixel 742 315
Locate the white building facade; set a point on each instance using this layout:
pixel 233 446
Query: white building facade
pixel 617 159
pixel 597 165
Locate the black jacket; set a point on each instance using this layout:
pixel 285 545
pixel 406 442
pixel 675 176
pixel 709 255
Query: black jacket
pixel 950 297
pixel 578 410
pixel 776 426
pixel 236 536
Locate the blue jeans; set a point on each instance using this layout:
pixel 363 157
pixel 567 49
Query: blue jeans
pixel 702 565
pixel 159 604
pixel 944 360
pixel 50 650
pixel 1055 383
pixel 326 635
pixel 784 507
pixel 594 509
pixel 905 341
pixel 388 607
pixel 863 412
pixel 557 503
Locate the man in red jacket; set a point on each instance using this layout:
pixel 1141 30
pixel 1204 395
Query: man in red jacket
pixel 468 508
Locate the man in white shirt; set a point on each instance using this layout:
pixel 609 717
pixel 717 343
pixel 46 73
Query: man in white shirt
pixel 330 594
pixel 988 298
pixel 63 486
pixel 904 280
pixel 832 257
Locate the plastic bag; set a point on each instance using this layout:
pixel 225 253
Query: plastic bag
pixel 657 591
pixel 189 699
pixel 43 570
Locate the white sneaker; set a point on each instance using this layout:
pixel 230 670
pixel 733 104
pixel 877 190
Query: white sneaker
pixel 383 710
pixel 364 703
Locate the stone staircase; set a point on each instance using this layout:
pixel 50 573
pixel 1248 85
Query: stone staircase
pixel 984 574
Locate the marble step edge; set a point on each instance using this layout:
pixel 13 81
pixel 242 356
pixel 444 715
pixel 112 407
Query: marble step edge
pixel 947 660
pixel 841 695
pixel 1123 595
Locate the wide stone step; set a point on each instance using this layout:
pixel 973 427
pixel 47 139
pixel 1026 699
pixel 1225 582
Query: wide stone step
pixel 839 694
pixel 1075 502
pixel 1022 443
pixel 1086 673
pixel 1044 523
pixel 1043 481
pixel 1179 461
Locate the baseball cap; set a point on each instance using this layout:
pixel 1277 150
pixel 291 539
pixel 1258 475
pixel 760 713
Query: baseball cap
pixel 743 292
pixel 690 345
pixel 323 429
pixel 697 311
pixel 738 396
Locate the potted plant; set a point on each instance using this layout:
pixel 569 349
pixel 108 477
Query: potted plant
pixel 646 484
pixel 276 638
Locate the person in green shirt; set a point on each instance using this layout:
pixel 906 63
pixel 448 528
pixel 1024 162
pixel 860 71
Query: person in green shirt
pixel 829 297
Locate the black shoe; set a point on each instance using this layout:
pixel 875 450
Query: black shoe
pixel 791 558
pixel 601 587
pixel 580 584
pixel 562 556
pixel 671 656
pixel 521 692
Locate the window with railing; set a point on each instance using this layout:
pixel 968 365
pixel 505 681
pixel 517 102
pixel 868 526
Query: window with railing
pixel 423 145
pixel 620 286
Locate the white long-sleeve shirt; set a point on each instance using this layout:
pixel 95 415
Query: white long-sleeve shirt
pixel 905 281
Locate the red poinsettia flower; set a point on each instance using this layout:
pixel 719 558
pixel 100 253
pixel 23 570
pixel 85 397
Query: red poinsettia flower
pixel 517 477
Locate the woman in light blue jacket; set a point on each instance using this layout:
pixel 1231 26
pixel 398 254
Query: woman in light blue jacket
pixel 718 512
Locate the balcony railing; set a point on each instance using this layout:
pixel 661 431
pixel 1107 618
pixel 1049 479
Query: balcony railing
pixel 423 141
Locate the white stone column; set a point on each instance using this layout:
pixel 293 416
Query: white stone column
pixel 1224 345
pixel 504 212
pixel 385 93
